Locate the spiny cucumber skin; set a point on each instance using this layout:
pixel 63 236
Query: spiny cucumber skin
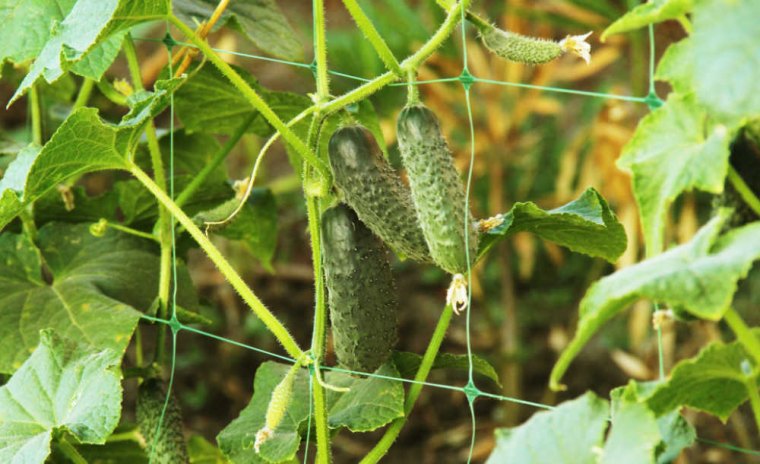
pixel 361 291
pixel 170 445
pixel 520 48
pixel 437 190
pixel 373 189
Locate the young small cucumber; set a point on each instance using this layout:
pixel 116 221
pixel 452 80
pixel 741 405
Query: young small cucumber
pixel 361 291
pixel 520 48
pixel 169 447
pixel 437 190
pixel 373 189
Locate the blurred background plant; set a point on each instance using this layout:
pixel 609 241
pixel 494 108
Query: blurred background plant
pixel 530 144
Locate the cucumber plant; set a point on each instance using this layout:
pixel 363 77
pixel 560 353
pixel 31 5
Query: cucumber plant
pixel 94 289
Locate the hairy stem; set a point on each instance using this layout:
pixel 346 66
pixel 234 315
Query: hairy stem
pixel 85 90
pixel 320 51
pixel 477 21
pixel 743 334
pixel 267 318
pixel 71 453
pixel 411 63
pixel 375 39
pixel 255 100
pixel 164 220
pixel 382 447
pixel 754 398
pixel 36 113
pixel 744 190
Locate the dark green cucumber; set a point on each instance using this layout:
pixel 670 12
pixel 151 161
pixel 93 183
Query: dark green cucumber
pixel 169 447
pixel 437 190
pixel 373 189
pixel 361 291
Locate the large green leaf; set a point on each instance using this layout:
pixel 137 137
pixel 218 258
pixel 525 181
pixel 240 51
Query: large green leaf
pixel 586 225
pixel 569 434
pixel 87 24
pixel 83 143
pixel 371 403
pixel 255 224
pixel 677 66
pixel 699 276
pixel 93 288
pixel 261 21
pixel 27 25
pixel 655 11
pixel 62 386
pixel 716 381
pixel 225 108
pixel 634 435
pixel 408 363
pixel 674 149
pixel 726 57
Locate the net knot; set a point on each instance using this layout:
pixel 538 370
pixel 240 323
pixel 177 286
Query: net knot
pixel 466 79
pixel 175 324
pixel 653 101
pixel 169 41
pixel 471 391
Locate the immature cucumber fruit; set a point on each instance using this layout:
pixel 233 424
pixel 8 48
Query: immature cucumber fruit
pixel 363 307
pixel 520 48
pixel 372 188
pixel 437 190
pixel 169 446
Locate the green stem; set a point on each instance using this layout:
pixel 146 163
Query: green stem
pixel 320 51
pixel 27 222
pixel 369 31
pixel 413 62
pixel 482 25
pixel 744 190
pixel 266 317
pixel 164 219
pixel 412 92
pixel 686 24
pixel 131 231
pixel 68 450
pixel 754 398
pixel 428 359
pixel 108 91
pixel 34 107
pixel 255 100
pixel 84 94
pixel 219 156
pixel 743 334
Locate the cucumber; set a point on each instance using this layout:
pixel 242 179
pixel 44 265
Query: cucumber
pixel 437 190
pixel 374 190
pixel 361 291
pixel 169 447
pixel 520 48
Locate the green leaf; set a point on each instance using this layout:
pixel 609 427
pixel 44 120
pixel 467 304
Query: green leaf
pixel 408 363
pixel 27 25
pixel 122 447
pixel 10 207
pixel 677 66
pixel 586 225
pixel 87 24
pixel 95 284
pixel 716 381
pixel 255 224
pixel 203 452
pixel 62 386
pixel 371 403
pixel 676 434
pixel 726 58
pixel 648 13
pixel 568 434
pixel 674 149
pixel 145 105
pixel 237 439
pixel 261 21
pixel 82 144
pixel 634 435
pixel 699 276
pixel 224 107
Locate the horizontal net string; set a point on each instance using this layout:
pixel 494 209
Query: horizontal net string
pixel 297 64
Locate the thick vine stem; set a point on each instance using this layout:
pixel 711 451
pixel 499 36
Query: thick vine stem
pixel 270 321
pixel 375 39
pixel 255 99
pixel 411 63
pixel 385 443
pixel 744 190
pixel 743 334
